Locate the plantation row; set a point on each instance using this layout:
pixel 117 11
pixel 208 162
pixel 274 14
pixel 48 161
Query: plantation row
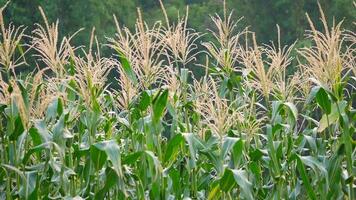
pixel 264 122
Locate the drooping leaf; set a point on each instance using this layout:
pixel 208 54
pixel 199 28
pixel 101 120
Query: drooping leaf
pixel 111 150
pixel 227 145
pixel 28 179
pixel 243 182
pixel 154 163
pixel 293 110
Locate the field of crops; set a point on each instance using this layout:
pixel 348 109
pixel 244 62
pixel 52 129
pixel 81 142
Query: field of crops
pixel 263 122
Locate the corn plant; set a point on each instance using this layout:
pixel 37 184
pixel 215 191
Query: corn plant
pixel 247 129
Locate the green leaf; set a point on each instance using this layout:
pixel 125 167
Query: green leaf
pixel 145 101
pixel 314 164
pixel 237 151
pixel 28 188
pixel 347 139
pixel 214 191
pixel 125 64
pixel 36 149
pixel 54 108
pixel 24 94
pixel 19 128
pixel 131 158
pixel 159 105
pixel 242 180
pixel 255 168
pixel 256 154
pixel 328 119
pixel 154 163
pixel 272 151
pixel 293 110
pixel 40 131
pixel 173 148
pixel 98 157
pixel 335 173
pixel 111 180
pixel 312 95
pixel 227 181
pixel 28 179
pixel 227 145
pixel 323 100
pixel 58 132
pixel 175 177
pixel 194 145
pixel 184 75
pixel 276 107
pixel 111 150
pixel 305 178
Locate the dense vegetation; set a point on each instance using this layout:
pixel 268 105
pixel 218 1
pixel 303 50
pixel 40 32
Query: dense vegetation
pixel 248 129
pixel 260 15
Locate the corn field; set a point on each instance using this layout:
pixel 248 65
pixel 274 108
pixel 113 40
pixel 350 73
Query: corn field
pixel 265 121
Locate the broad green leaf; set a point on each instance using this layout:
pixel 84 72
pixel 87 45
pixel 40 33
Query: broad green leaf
pixel 28 189
pixel 173 148
pixel 111 150
pixel 272 151
pixel 154 163
pixel 194 145
pixel 347 140
pixel 175 178
pixel 19 128
pixel 28 179
pixel 323 100
pixel 242 180
pixel 58 132
pixel 312 95
pixel 144 101
pixel 98 157
pixel 131 158
pixel 305 178
pixel 293 110
pixel 228 143
pixel 314 164
pixel 227 181
pixel 276 107
pixel 256 154
pixel 335 174
pixel 184 75
pixel 328 119
pixel 35 149
pixel 111 180
pixel 237 151
pixel 41 131
pixel 255 168
pixel 54 108
pixel 159 105
pixel 24 94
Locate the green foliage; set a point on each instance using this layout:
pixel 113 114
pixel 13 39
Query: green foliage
pixel 68 136
pixel 261 15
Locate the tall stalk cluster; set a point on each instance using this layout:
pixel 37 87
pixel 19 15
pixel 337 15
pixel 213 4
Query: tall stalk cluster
pixel 260 124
